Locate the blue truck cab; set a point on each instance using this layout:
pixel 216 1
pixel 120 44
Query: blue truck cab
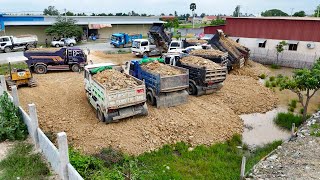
pixel 40 61
pixel 161 91
pixel 120 40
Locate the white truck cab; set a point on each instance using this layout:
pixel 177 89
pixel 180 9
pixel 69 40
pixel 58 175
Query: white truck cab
pixel 182 47
pixel 143 47
pixel 12 43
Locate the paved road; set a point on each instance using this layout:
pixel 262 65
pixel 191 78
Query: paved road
pixel 91 46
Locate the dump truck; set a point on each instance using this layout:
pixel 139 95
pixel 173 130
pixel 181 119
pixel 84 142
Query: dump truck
pixel 214 55
pixel 121 40
pixel 43 60
pixel 203 79
pixel 162 90
pixel 14 43
pixel 183 46
pixel 236 57
pixel 157 43
pixel 113 94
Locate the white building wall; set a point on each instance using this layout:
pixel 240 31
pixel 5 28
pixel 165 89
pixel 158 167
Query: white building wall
pixel 303 57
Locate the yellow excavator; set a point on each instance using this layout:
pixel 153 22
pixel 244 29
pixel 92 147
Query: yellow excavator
pixel 19 74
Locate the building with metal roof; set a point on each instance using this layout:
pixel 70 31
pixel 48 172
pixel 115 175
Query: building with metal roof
pixel 100 26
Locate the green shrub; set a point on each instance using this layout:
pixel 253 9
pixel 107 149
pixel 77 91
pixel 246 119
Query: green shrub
pixel 12 126
pixel 293 103
pixel 315 130
pixel 262 76
pixel 301 111
pixel 272 78
pixel 273 84
pixel 274 66
pixel 290 109
pixel 280 76
pixel 285 120
pixel 267 84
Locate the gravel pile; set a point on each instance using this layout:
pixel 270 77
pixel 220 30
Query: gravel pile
pixel 196 41
pixel 162 69
pixel 115 80
pixel 207 52
pixel 252 69
pixel 200 62
pixel 296 159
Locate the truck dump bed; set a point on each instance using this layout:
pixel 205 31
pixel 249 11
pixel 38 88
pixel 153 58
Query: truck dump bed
pixel 159 37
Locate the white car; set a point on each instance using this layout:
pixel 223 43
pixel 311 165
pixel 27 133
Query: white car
pixel 64 42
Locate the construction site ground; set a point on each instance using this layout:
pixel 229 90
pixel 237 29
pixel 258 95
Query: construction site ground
pixel 62 106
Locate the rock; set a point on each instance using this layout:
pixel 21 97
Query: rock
pixel 272 158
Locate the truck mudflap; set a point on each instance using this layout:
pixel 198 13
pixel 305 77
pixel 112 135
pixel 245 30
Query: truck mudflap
pixel 127 112
pixel 172 99
pixel 208 90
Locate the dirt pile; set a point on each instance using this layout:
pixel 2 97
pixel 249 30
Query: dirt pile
pixel 114 80
pixel 196 41
pixel 162 69
pixel 207 52
pixel 198 122
pixel 44 49
pixel 246 95
pixel 251 69
pixel 200 62
pixel 101 57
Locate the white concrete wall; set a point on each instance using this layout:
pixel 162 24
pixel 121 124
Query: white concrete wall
pixel 303 57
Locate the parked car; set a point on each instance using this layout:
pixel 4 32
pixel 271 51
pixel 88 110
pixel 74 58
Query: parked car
pixel 64 42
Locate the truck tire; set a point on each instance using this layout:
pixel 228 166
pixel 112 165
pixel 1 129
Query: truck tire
pixel 151 99
pixel 57 45
pixel 75 68
pixel 7 49
pixel 192 90
pixel 40 69
pixel 100 115
pixel 71 44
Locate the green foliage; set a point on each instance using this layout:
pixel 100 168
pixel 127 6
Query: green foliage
pixel 64 28
pixel 274 12
pixel 293 103
pixel 291 109
pixel 172 23
pixel 285 120
pixel 301 111
pixel 267 84
pixel 22 162
pixel 218 22
pixel 51 11
pixel 280 76
pixel 299 14
pixel 236 11
pixel 315 130
pixel 111 156
pixel 275 66
pixel 317 11
pixel 4 68
pixel 274 84
pixel 272 78
pixel 262 76
pixel 12 126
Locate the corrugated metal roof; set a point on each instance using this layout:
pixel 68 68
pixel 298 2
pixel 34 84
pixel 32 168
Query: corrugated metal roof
pixel 280 18
pixel 85 20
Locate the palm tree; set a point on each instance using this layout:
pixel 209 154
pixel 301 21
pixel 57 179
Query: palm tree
pixel 193 6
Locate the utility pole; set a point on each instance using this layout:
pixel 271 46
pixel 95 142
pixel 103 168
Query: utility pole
pixel 292 11
pixel 65 13
pixel 193 19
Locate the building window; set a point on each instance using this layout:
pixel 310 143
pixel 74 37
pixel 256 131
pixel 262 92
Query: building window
pixel 262 44
pixel 293 47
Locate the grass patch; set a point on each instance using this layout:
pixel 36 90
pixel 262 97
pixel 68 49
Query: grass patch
pixel 267 84
pixel 4 68
pixel 262 76
pixel 293 103
pixel 315 130
pixel 22 162
pixel 219 161
pixel 272 78
pixel 275 66
pixel 285 120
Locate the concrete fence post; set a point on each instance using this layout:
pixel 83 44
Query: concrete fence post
pixel 64 155
pixel 3 84
pixel 34 123
pixel 15 96
pixel 243 168
pixel 293 129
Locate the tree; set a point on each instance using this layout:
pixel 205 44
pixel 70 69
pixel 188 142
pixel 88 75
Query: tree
pixel 299 14
pixel 68 13
pixel 64 28
pixel 175 14
pixel 162 14
pixel 144 14
pixel 110 14
pixel 305 83
pixel 51 11
pixel 218 22
pixel 202 15
pixel 274 12
pixel 236 11
pixel 317 12
pixel 81 14
pixel 102 14
pixel 172 23
pixel 280 48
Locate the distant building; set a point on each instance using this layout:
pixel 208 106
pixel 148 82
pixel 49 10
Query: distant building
pixel 166 18
pixel 197 20
pixel 101 26
pixel 208 19
pixel 262 34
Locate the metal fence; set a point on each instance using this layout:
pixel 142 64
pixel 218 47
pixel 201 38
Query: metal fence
pixel 57 157
pixel 286 58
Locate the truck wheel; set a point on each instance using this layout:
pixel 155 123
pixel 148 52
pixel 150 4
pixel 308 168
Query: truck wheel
pixel 150 99
pixel 40 69
pixel 57 45
pixel 100 115
pixel 75 68
pixel 7 49
pixel 192 90
pixel 71 45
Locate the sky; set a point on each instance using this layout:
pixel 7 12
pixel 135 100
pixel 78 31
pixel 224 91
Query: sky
pixel 156 7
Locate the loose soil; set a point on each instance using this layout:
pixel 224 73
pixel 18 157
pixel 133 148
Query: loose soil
pixel 118 59
pixel 252 69
pixel 196 41
pixel 207 52
pixel 115 80
pixel 162 69
pixel 200 62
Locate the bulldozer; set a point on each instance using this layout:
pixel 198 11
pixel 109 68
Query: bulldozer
pixel 19 76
